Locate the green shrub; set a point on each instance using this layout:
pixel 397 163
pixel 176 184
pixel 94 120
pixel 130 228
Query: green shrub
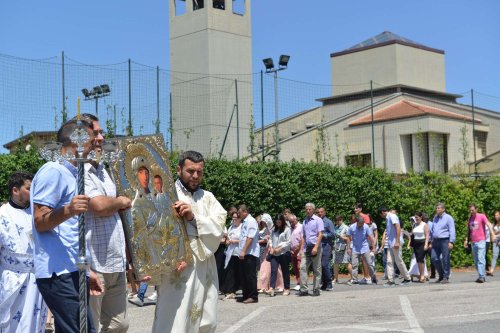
pixel 270 187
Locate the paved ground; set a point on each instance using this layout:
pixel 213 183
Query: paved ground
pixel 461 306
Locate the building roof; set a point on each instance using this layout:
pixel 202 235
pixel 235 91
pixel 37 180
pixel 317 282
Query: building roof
pixel 406 109
pixel 382 39
pixel 387 90
pixel 29 136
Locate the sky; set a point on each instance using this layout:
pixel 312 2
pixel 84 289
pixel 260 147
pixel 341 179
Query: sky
pixel 103 32
pixel 112 31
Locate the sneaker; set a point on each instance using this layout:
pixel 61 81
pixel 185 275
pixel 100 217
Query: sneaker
pixel 445 281
pixel 302 293
pixel 261 291
pixel 481 280
pixel 136 301
pixel 315 292
pixel 489 273
pixel 132 295
pixel 230 296
pixel 365 281
pixel 297 287
pixel 389 284
pixel 433 276
pixel 439 280
pixel 153 297
pixel 351 282
pixel 406 282
pixel 335 282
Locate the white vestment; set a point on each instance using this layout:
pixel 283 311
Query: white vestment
pixel 22 308
pixel 187 301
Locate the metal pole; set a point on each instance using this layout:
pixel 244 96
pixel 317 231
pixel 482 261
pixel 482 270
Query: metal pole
pixel 237 121
pixel 473 131
pixel 262 112
pixel 157 99
pixel 171 128
pixel 129 98
pixel 114 119
pixel 373 128
pixel 82 262
pixel 276 116
pixel 96 106
pixel 63 92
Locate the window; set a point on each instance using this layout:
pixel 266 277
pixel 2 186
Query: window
pixel 219 4
pixel 361 160
pixel 180 7
pixel 198 4
pixel 239 7
pixel 480 142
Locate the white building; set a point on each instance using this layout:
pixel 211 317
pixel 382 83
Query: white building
pixel 416 124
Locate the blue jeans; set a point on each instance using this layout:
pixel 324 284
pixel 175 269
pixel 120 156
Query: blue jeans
pixel 440 248
pixel 479 254
pixel 326 266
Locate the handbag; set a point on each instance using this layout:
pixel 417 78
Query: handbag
pixel 468 249
pixel 268 257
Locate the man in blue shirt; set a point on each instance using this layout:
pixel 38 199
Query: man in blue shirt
pixel 394 251
pixel 249 254
pixel 363 245
pixel 443 237
pixel 326 244
pixel 56 205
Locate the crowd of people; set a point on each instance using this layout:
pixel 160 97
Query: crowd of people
pixel 322 246
pixel 39 246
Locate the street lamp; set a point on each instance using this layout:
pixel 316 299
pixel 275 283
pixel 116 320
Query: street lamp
pixel 282 65
pixel 95 93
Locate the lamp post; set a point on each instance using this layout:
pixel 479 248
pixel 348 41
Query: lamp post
pixel 95 93
pixel 283 64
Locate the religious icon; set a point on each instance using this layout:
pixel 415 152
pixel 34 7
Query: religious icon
pixel 156 235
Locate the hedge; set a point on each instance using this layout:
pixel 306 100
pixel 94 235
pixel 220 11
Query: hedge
pixel 272 186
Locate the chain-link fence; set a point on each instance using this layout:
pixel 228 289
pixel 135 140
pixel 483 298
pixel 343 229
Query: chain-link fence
pixel 398 128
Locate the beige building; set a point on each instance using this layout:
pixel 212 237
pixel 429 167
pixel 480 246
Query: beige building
pixel 211 81
pixel 416 124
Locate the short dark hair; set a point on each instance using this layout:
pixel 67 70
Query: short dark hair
pixel 243 207
pixel 64 133
pixel 358 205
pixel 88 117
pixel 17 180
pixel 382 210
pixel 472 205
pixel 191 155
pixel 339 218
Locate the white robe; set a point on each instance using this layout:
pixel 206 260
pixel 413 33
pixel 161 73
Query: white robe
pixel 187 302
pixel 22 308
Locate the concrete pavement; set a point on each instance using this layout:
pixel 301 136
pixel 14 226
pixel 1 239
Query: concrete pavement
pixel 461 306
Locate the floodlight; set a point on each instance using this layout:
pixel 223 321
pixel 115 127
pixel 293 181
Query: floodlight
pixel 268 62
pixel 284 60
pixel 105 89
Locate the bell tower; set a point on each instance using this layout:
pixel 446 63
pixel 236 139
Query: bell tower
pixel 211 81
